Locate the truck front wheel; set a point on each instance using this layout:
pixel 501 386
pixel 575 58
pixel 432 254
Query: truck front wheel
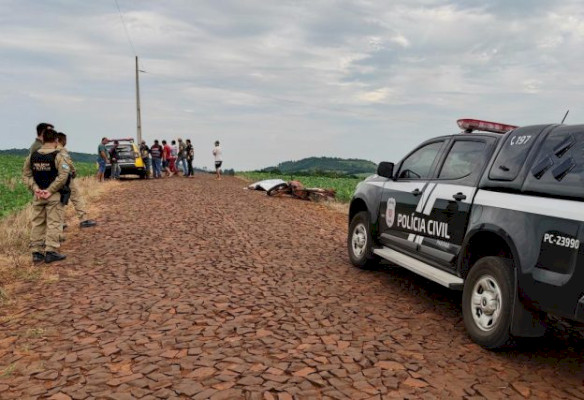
pixel 487 302
pixel 360 241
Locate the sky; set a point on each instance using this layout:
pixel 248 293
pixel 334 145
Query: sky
pixel 283 80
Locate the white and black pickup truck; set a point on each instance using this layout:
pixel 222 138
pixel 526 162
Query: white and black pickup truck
pixel 496 211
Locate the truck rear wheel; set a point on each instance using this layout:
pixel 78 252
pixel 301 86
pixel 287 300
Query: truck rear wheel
pixel 487 302
pixel 360 241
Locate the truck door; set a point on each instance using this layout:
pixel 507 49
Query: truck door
pixel 403 198
pixel 447 209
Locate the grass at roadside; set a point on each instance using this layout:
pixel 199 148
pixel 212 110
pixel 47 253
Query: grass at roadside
pixel 13 193
pixel 345 187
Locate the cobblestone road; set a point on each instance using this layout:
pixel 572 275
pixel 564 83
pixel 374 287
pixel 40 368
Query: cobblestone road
pixel 198 289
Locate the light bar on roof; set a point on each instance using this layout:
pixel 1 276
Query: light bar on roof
pixel 470 125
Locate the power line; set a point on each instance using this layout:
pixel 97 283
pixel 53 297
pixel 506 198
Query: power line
pixel 126 28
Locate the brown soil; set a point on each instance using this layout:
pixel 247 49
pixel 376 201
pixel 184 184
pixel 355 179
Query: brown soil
pixel 195 288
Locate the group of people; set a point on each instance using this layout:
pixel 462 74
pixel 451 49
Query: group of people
pixel 170 159
pixel 50 174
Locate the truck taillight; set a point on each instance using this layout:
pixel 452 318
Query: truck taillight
pixel 469 125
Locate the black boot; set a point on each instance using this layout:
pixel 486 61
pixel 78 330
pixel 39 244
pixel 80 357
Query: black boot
pixel 52 256
pixel 88 223
pixel 37 257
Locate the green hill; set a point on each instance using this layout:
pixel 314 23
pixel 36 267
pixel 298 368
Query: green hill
pixel 312 165
pixel 77 157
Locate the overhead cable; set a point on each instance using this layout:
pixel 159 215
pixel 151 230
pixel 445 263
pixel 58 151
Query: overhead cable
pixel 126 28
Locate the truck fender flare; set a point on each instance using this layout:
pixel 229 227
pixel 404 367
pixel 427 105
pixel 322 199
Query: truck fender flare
pixel 368 204
pixel 496 230
pixel 524 322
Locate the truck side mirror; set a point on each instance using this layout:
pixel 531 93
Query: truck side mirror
pixel 385 169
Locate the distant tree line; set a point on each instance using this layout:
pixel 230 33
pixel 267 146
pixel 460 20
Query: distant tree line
pixel 332 167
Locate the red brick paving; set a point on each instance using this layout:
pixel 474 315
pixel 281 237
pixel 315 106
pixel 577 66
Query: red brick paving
pixel 195 288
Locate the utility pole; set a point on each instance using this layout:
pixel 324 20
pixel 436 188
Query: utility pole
pixel 139 118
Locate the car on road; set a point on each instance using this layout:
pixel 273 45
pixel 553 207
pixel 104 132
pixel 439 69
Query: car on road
pixel 129 158
pixel 496 211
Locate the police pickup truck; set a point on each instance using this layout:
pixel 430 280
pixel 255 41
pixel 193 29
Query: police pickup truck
pixel 496 211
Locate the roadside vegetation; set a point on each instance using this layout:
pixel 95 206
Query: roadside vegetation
pixel 343 185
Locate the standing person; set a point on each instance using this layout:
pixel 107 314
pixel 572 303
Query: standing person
pixel 76 197
pixel 102 159
pixel 173 157
pixel 190 153
pixel 166 155
pixel 115 166
pixel 218 153
pixel 181 161
pixel 156 152
pixel 145 154
pixel 38 143
pixel 45 172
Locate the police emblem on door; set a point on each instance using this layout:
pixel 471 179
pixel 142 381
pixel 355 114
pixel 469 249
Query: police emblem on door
pixel 390 212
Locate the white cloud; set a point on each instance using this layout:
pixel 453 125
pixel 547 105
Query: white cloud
pixel 400 40
pixel 531 86
pixel 375 96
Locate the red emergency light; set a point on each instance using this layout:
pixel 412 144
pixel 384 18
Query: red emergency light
pixel 469 125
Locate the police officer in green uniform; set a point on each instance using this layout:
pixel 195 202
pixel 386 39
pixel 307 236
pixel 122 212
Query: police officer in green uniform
pixel 76 197
pixel 38 143
pixel 46 172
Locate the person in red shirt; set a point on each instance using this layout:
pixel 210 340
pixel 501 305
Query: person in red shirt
pixel 166 150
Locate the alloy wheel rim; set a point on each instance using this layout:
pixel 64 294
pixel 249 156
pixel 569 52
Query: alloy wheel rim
pixel 486 303
pixel 359 240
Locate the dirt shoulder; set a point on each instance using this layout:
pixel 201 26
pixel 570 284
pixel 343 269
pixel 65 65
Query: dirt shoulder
pixel 196 288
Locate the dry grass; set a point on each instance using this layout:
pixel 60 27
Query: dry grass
pixel 342 208
pixel 15 260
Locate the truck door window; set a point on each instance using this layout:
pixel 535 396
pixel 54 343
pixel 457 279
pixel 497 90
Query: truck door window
pixel 418 165
pixel 512 156
pixel 464 158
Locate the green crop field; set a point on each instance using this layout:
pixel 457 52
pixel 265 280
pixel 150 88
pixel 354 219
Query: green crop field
pixel 344 186
pixel 13 193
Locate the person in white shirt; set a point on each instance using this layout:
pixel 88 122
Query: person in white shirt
pixel 173 157
pixel 218 159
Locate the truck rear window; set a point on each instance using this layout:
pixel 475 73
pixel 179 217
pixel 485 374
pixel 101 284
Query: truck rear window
pixel 559 166
pixel 512 155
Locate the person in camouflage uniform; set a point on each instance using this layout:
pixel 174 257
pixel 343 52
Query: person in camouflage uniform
pixel 76 197
pixel 45 173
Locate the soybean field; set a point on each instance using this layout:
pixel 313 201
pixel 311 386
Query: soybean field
pixel 14 195
pixel 345 187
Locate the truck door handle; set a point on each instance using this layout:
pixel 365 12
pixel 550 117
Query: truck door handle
pixel 459 196
pixel 417 192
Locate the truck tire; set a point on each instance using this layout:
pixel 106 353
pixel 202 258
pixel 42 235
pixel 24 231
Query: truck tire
pixel 488 300
pixel 360 241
